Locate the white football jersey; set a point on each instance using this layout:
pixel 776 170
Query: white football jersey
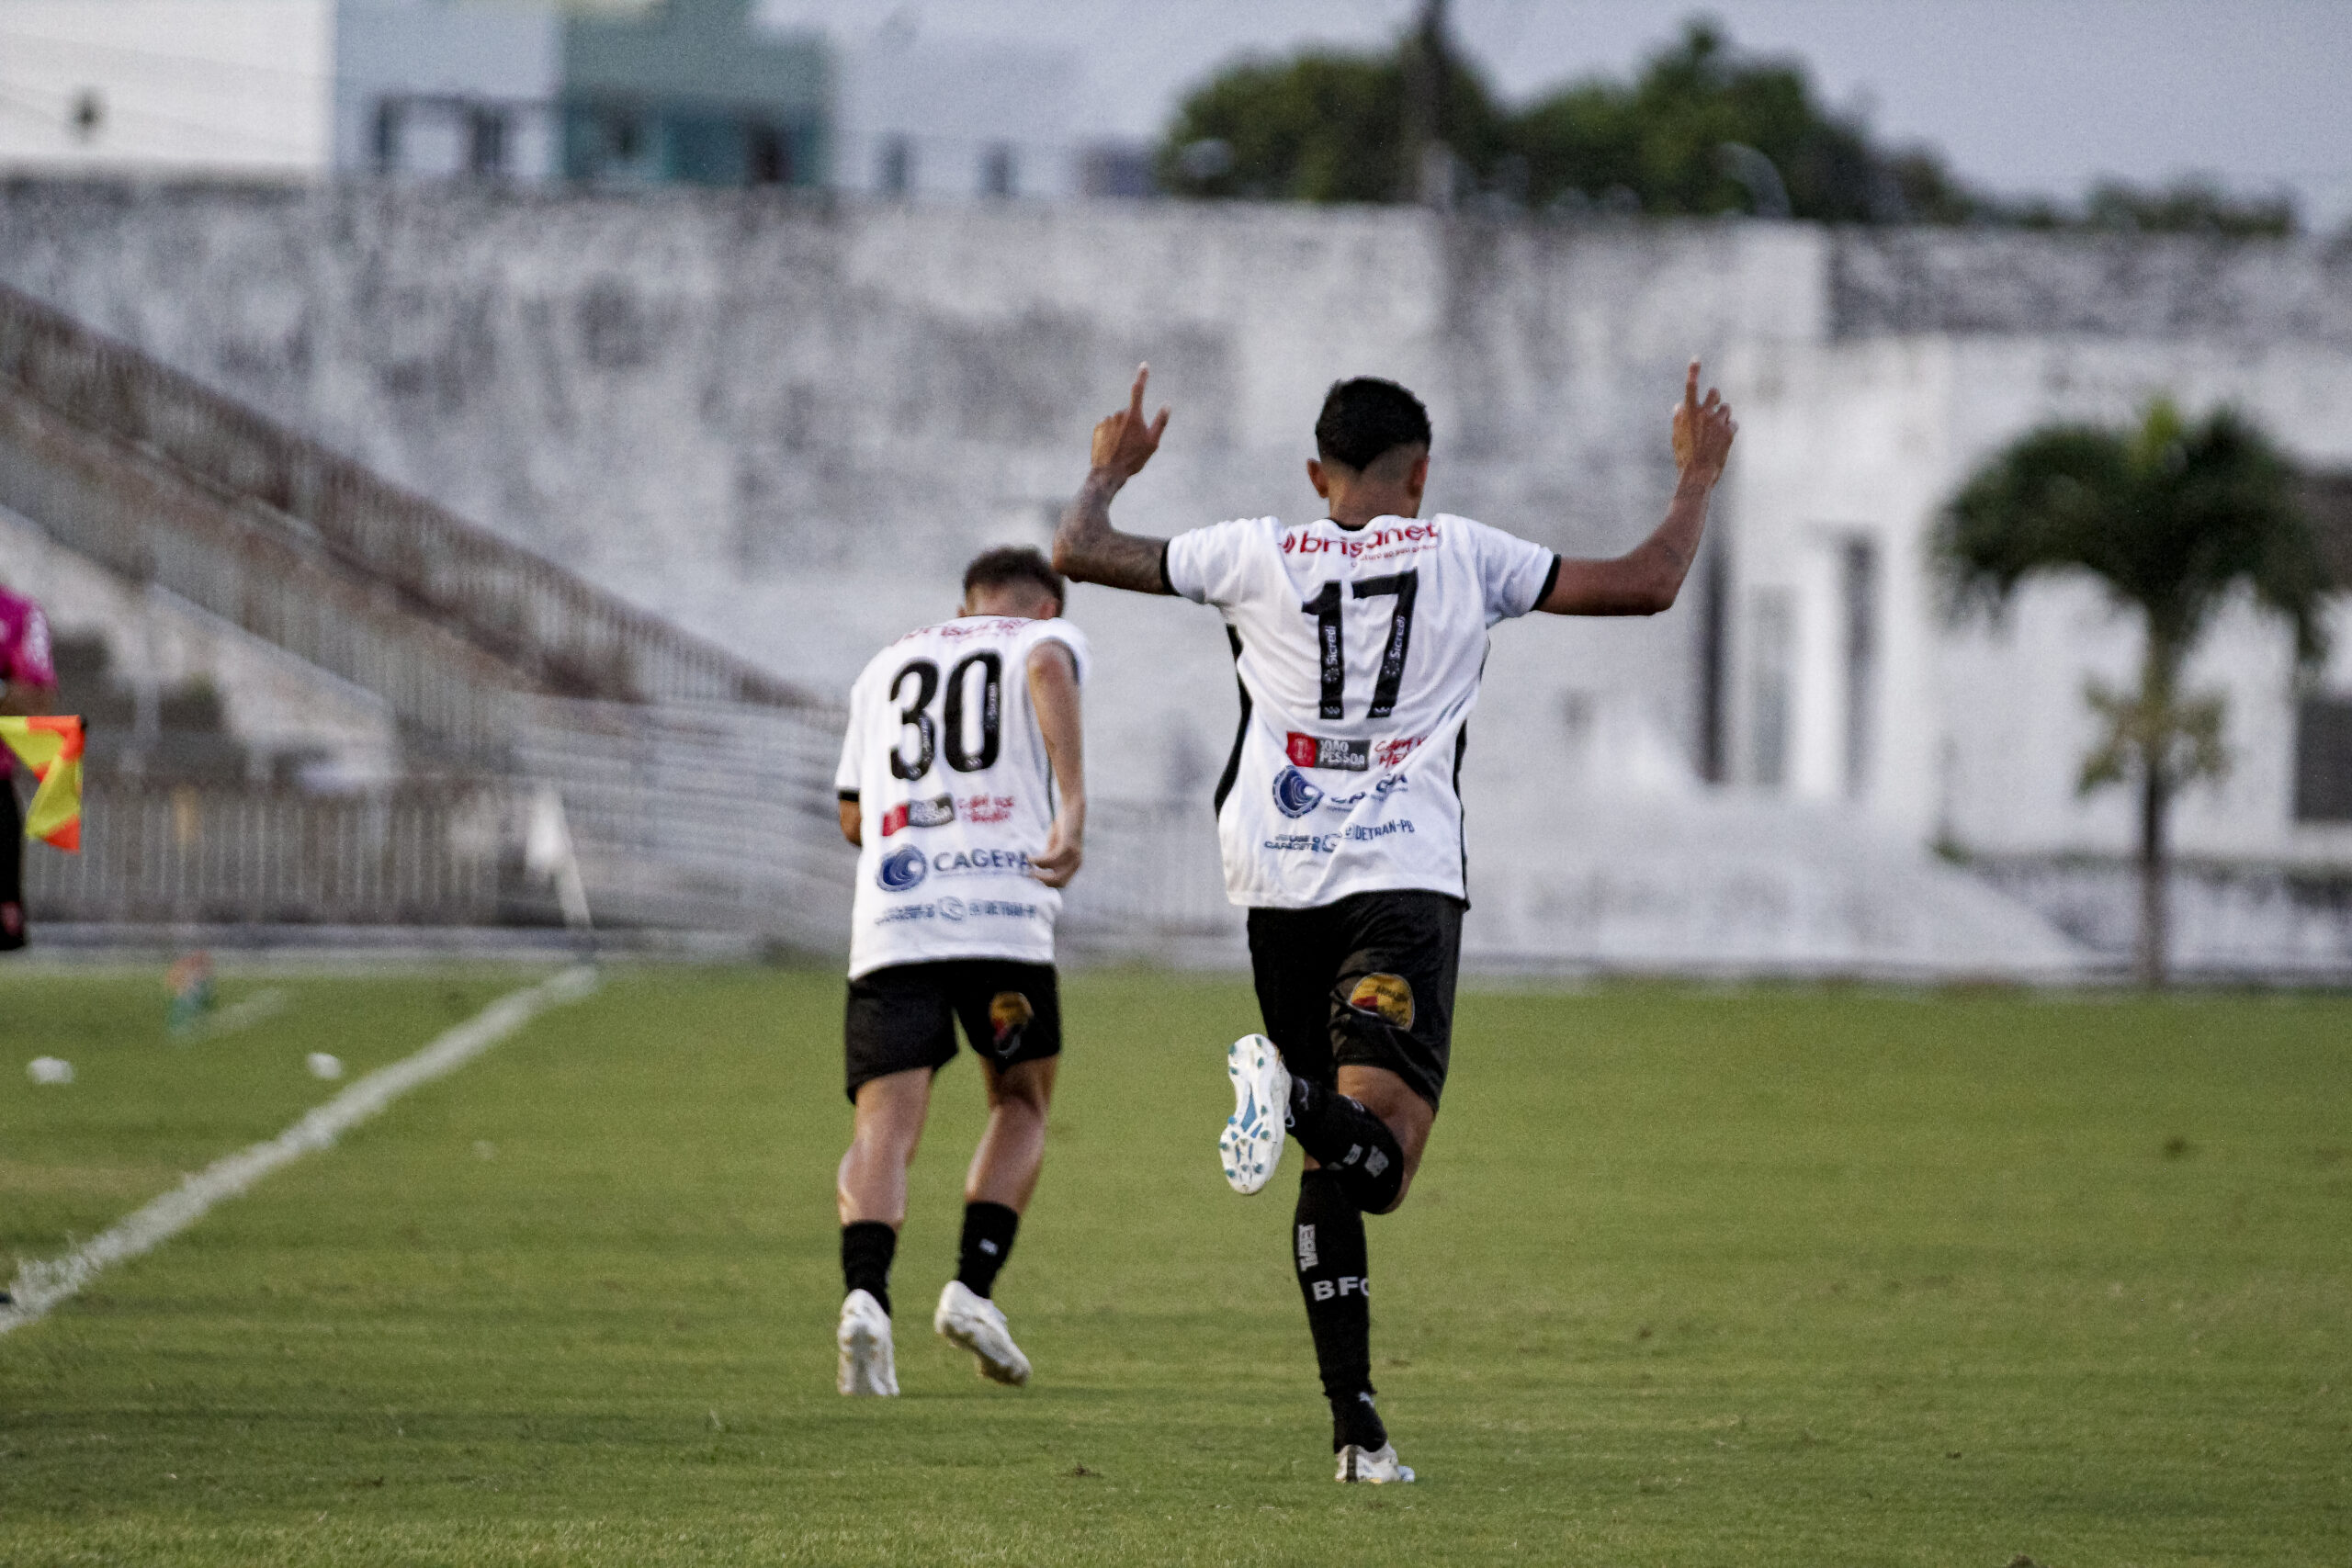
pixel 948 768
pixel 1359 652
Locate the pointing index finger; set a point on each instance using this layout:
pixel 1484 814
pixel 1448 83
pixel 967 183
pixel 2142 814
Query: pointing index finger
pixel 1135 401
pixel 1691 389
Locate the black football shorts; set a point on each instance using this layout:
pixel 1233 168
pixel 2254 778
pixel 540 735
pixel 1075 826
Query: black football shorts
pixel 905 1016
pixel 1368 979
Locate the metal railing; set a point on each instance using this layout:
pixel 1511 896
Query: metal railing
pixel 706 816
pixel 417 854
pixel 698 790
pixel 556 632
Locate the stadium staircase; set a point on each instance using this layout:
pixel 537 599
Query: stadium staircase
pixel 696 786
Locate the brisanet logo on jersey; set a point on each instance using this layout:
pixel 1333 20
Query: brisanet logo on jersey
pixel 1405 540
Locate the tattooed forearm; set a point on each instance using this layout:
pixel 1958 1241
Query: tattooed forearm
pixel 1088 549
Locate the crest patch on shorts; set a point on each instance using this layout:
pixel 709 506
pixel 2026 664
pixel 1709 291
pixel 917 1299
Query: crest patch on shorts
pixel 1009 1014
pixel 1386 997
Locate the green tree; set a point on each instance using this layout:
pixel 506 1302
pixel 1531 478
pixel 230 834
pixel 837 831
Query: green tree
pixel 1703 128
pixel 1672 140
pixel 1320 126
pixel 2172 517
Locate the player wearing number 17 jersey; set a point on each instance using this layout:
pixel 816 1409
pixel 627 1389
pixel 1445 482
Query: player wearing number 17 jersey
pixel 1359 639
pixel 963 784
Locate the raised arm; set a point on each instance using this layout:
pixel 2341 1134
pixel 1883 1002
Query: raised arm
pixel 1053 693
pixel 1086 548
pixel 1647 579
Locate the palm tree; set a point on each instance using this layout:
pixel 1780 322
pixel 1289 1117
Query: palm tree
pixel 2173 517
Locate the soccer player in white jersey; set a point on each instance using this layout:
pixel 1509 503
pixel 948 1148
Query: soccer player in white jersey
pixel 963 784
pixel 1359 640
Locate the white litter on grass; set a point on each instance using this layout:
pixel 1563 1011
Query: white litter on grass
pixel 323 1066
pixel 49 1069
pixel 39 1286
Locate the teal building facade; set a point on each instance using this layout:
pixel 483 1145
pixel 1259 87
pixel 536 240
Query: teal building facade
pixel 693 92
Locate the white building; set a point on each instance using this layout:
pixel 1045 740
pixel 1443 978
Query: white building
pixel 216 87
pixel 936 119
pixel 1850 682
pixel 303 90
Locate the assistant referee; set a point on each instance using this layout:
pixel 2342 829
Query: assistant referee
pixel 27 685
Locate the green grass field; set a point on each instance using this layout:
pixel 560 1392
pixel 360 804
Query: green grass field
pixel 1761 1277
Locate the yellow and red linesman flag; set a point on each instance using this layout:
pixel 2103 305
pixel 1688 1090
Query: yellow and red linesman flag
pixel 52 748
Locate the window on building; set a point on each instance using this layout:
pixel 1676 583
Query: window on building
pixel 2326 500
pixel 1772 635
pixel 998 171
pixel 2323 760
pixel 1860 565
pixel 384 137
pixel 625 137
pixel 767 155
pixel 895 177
pixel 1115 170
pixel 485 141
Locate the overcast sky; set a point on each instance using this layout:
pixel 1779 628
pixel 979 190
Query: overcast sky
pixel 2020 95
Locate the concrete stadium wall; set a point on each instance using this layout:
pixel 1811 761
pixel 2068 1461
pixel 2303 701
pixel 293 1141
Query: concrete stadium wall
pixel 786 424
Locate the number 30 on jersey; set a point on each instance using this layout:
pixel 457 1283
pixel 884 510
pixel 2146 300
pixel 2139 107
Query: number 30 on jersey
pixel 915 714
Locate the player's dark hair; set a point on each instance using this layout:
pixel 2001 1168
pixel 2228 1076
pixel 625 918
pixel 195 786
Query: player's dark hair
pixel 1014 563
pixel 1365 419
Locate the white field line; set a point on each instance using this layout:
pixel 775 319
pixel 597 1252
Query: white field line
pixel 39 1286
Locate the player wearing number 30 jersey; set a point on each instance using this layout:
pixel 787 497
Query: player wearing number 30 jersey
pixel 963 784
pixel 1359 639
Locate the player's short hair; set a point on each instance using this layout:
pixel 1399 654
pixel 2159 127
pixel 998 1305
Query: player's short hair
pixel 1014 563
pixel 1366 419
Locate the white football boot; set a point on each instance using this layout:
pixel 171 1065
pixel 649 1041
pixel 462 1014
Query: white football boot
pixel 977 1325
pixel 1379 1469
pixel 1251 1144
pixel 869 1365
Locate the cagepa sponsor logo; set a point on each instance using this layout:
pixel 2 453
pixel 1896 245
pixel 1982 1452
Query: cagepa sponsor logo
pixel 1295 794
pixel 1322 752
pixel 903 869
pixel 981 863
pixel 1390 752
pixel 936 812
pixel 1404 540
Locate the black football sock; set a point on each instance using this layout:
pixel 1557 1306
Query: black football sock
pixel 868 1246
pixel 1327 1246
pixel 1350 1142
pixel 987 1242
